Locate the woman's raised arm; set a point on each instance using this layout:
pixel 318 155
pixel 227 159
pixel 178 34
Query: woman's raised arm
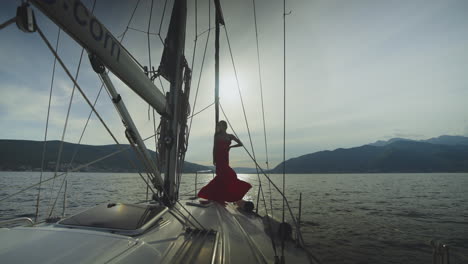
pixel 239 143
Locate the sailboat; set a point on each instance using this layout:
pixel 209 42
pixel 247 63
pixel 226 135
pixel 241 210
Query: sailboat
pixel 166 229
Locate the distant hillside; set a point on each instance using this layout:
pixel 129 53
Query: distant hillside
pixel 27 155
pixel 448 140
pixel 399 155
pixel 245 170
pixel 442 140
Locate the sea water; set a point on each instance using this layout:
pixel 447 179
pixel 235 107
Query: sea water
pixel 346 218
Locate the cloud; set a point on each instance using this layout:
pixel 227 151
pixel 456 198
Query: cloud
pixel 407 135
pixel 355 74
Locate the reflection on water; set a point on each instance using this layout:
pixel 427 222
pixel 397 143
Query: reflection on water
pixel 346 218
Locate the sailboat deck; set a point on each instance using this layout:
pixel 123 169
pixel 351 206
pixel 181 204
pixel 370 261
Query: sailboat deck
pixel 242 236
pixel 230 236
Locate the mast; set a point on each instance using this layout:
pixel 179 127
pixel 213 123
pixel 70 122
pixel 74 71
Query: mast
pixel 172 68
pixel 219 21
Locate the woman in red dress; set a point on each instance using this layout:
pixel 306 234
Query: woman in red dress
pixel 225 187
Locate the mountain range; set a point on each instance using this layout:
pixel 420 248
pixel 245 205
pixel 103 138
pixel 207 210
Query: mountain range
pixel 27 155
pixel 441 154
pixel 442 140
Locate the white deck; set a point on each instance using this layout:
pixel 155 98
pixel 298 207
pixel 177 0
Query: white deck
pixel 240 238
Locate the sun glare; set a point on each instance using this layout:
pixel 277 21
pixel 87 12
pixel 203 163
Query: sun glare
pixel 228 91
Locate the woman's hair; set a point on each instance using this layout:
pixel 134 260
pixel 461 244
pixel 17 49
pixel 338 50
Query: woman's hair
pixel 220 127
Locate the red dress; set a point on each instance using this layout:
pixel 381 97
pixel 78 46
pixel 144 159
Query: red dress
pixel 225 187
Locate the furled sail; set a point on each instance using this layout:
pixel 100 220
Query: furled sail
pixel 174 39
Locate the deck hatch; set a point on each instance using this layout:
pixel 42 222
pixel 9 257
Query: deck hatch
pixel 117 216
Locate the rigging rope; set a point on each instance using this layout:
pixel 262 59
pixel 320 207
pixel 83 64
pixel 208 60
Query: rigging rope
pixel 155 130
pixel 149 70
pixel 61 174
pixel 196 36
pixel 259 184
pixel 92 107
pixel 85 126
pixel 190 215
pixel 284 115
pixel 162 85
pixel 202 110
pixel 293 218
pixel 149 47
pixel 160 24
pixel 206 31
pixel 125 32
pixel 77 86
pixel 7 23
pixel 142 31
pixel 70 164
pixel 243 108
pixel 46 129
pixel 202 65
pixel 131 162
pixel 264 132
pixel 261 99
pixel 59 158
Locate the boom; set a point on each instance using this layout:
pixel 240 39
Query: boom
pixel 75 19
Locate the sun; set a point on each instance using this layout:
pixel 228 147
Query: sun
pixel 228 90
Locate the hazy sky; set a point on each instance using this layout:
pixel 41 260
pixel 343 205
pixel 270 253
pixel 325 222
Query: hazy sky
pixel 357 71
